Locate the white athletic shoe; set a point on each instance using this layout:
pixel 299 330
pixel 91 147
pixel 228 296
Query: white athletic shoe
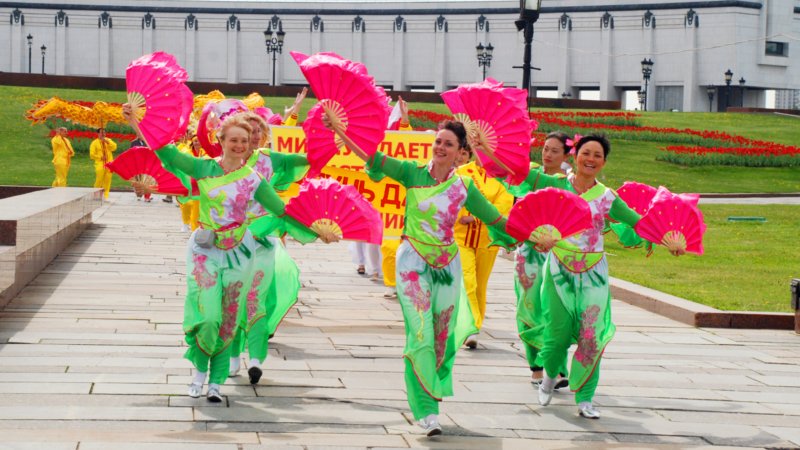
pixel 213 394
pixel 587 410
pixel 431 425
pixel 545 395
pixel 234 367
pixel 472 341
pixel 185 228
pixel 195 389
pixel 390 293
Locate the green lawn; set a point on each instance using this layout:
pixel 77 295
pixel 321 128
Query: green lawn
pixel 746 265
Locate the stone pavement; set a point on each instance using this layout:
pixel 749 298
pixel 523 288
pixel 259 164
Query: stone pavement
pixel 91 358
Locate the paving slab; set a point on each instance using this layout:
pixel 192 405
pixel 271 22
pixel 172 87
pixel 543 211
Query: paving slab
pixel 91 358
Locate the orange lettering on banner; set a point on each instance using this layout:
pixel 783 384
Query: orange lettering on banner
pixel 290 144
pixel 392 221
pixel 391 196
pixel 400 151
pixel 369 195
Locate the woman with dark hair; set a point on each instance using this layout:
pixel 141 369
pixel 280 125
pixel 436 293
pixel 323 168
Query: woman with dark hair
pixel 529 262
pixel 575 294
pixel 429 277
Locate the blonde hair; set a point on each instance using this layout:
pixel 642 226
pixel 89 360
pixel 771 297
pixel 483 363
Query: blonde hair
pixel 250 116
pixel 233 121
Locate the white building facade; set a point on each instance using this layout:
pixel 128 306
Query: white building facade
pixel 579 45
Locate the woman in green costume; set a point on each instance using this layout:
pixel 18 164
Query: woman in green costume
pixel 429 276
pixel 529 262
pixel 221 273
pixel 279 275
pixel 575 295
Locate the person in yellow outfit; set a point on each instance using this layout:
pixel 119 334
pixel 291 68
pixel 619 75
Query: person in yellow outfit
pixel 390 244
pixel 472 236
pixel 62 155
pixel 190 205
pixel 102 152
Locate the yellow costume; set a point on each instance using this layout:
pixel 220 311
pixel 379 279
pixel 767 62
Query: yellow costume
pixel 190 206
pixel 389 245
pixel 62 154
pixel 102 152
pixel 477 259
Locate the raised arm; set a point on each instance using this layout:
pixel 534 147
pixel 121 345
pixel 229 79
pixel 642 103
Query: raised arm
pixel 290 113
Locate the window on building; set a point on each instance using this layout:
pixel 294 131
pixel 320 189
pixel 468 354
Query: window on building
pixel 774 48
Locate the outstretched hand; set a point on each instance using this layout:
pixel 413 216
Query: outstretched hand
pixel 298 99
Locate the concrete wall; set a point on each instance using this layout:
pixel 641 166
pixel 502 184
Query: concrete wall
pixel 586 44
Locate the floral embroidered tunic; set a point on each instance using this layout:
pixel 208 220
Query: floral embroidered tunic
pixel 279 169
pixel 432 208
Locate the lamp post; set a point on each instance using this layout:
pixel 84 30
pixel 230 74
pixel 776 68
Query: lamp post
pixel 484 56
pixel 642 99
pixel 742 81
pixel 44 49
pixel 528 15
pixel 274 44
pixel 30 51
pixel 566 95
pixel 710 90
pixel 647 70
pixel 728 78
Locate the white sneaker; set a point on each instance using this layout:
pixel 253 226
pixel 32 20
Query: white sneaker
pixel 472 341
pixel 213 394
pixel 390 293
pixel 546 390
pixel 185 228
pixel 431 425
pixel 195 389
pixel 587 410
pixel 234 367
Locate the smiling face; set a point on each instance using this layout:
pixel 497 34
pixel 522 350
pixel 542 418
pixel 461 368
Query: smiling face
pixel 445 148
pixel 590 159
pixel 235 143
pixel 256 136
pixel 553 155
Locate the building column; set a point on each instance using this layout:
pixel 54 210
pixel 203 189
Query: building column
pixel 607 91
pixel 104 24
pixel 233 27
pixel 358 27
pixel 565 72
pixel 316 29
pixel 60 50
pixel 148 29
pixel 692 92
pixel 190 26
pixel 439 52
pixel 648 35
pixel 18 43
pixel 399 53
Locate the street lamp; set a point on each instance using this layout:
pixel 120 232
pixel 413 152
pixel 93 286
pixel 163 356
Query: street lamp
pixel 647 70
pixel 728 78
pixel 528 15
pixel 274 44
pixel 30 51
pixel 742 81
pixel 44 49
pixel 484 56
pixel 642 99
pixel 710 90
pixel 566 95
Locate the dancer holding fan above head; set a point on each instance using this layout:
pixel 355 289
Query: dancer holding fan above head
pixel 575 294
pixel 529 262
pixel 437 313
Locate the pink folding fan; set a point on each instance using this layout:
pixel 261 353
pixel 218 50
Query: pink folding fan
pixel 142 168
pixel 328 207
pixel 675 221
pixel 157 96
pixel 548 214
pixel 349 96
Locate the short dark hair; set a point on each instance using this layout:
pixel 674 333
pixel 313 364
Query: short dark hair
pixel 562 137
pixel 458 129
pixel 599 138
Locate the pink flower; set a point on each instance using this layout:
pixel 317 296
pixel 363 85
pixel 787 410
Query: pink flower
pixel 201 276
pixel 441 327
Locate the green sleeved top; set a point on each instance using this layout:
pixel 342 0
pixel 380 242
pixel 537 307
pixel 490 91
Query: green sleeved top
pixel 432 208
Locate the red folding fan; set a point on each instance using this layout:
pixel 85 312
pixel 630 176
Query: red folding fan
pixel 328 207
pixel 349 96
pixel 142 168
pixel 500 121
pixel 156 94
pixel 549 214
pixel 675 221
pixel 637 195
